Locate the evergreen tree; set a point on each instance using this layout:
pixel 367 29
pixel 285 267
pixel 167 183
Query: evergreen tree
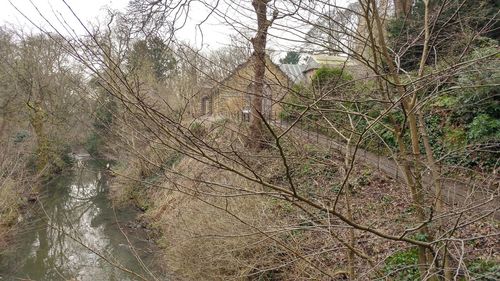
pixel 291 58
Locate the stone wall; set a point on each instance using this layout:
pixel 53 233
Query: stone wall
pixel 231 96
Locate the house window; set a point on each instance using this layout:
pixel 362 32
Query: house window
pixel 266 102
pixel 206 105
pixel 247 104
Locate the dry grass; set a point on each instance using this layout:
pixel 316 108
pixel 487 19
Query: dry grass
pixel 215 225
pixel 207 237
pixel 15 185
pixel 9 208
pixel 121 188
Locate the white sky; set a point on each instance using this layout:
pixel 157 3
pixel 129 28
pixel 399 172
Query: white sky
pixel 215 33
pixel 86 9
pixel 216 30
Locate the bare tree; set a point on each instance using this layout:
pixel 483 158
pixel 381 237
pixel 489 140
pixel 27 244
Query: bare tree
pixel 259 46
pixel 286 220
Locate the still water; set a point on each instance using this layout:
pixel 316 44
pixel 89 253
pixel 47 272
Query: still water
pixel 75 234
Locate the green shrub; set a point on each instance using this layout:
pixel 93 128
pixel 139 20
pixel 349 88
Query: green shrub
pixel 484 128
pixel 403 265
pixel 455 138
pixel 484 270
pixel 293 103
pixel 475 15
pixel 326 76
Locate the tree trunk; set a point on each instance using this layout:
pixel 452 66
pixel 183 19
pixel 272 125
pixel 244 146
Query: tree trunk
pixel 411 173
pixel 37 121
pixel 402 8
pixel 256 139
pixel 352 238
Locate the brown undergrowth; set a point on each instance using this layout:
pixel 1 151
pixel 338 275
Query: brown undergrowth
pixel 9 210
pixel 214 223
pixel 17 186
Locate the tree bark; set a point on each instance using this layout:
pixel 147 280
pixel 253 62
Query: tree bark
pixel 402 8
pixel 411 173
pixel 256 139
pixel 352 238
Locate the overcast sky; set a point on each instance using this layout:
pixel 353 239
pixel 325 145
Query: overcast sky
pixel 215 32
pixel 86 9
pixel 231 16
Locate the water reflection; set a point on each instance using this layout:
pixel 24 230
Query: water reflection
pixel 74 225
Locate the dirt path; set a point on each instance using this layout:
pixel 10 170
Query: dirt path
pixel 481 194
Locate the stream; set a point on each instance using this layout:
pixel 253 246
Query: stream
pixel 73 233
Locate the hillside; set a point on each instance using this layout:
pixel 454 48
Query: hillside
pixel 214 224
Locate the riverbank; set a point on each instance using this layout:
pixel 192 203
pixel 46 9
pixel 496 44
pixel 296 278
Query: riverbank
pixel 21 182
pixel 20 187
pixel 74 231
pixel 11 206
pixel 17 187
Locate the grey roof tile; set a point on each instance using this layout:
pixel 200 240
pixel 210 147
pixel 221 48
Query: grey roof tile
pixel 293 71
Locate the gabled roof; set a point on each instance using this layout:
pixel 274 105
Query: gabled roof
pixel 269 63
pixel 294 72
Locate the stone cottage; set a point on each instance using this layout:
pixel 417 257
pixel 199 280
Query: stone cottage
pixel 232 97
